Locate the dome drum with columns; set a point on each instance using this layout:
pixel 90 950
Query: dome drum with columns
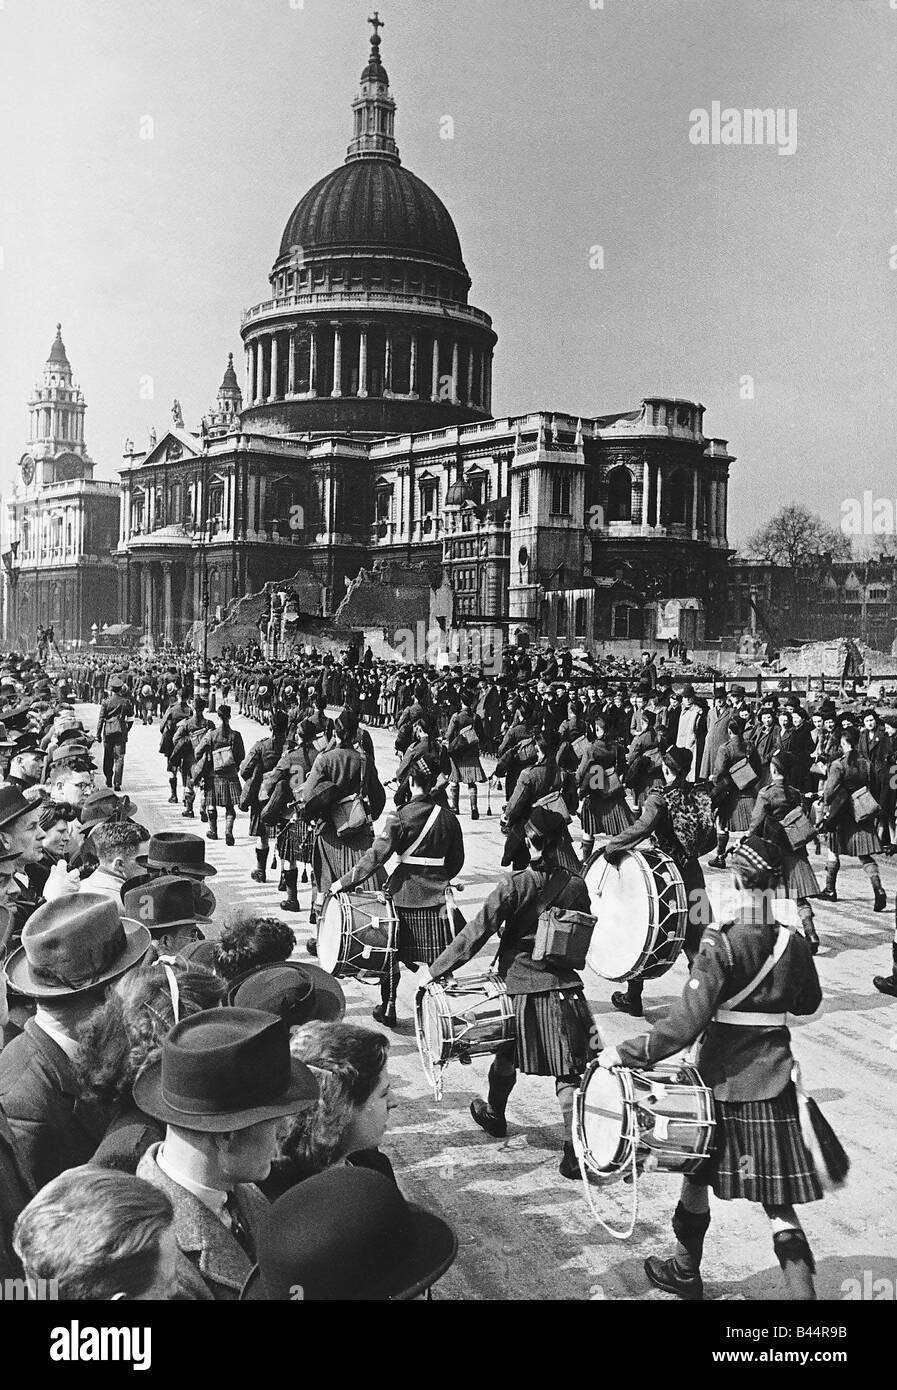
pixel 369 329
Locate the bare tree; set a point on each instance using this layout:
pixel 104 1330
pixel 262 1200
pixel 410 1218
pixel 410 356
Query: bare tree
pixel 799 540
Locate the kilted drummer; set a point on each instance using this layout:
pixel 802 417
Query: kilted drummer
pixel 430 846
pixel 748 975
pixel 555 1032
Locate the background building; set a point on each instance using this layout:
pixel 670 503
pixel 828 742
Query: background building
pixel 61 523
pixel 364 431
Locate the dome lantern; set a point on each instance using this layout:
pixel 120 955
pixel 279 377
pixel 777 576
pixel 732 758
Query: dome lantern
pixel 374 109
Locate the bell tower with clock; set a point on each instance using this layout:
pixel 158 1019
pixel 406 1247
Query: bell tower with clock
pixel 61 522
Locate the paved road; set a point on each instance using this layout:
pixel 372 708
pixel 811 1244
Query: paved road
pixel 524 1231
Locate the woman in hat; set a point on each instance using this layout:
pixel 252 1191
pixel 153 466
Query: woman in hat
pixel 122 1034
pixel 734 802
pixel 748 966
pixel 222 752
pixel 773 804
pixel 462 741
pixel 677 818
pixel 603 809
pixel 348 1123
pixel 342 792
pixel 544 783
pixel 555 1032
pixel 847 834
pixel 262 758
pixel 426 837
pixel 283 809
pixel 347 1235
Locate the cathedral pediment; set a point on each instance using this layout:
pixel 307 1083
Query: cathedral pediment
pixel 173 446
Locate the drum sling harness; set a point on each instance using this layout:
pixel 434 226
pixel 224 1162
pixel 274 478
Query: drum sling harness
pixel 729 1012
pixel 410 855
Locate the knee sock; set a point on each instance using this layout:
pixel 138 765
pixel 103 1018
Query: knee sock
pixel 389 985
pixel 831 874
pixel 565 1088
pixel 689 1228
pixel 722 843
pixel 807 920
pixel 473 796
pixel 213 820
pixel 634 989
pixel 870 869
pixel 501 1084
pixel 173 783
pixel 796 1258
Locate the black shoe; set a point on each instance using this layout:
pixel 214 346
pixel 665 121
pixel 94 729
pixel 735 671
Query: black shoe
pixel 384 1015
pixel 717 862
pixel 493 1124
pixel 812 939
pixel 187 815
pixel 626 1005
pixel 569 1164
pixel 172 800
pixel 829 895
pixel 664 1275
pixel 292 905
pixel 211 834
pixel 474 815
pixel 311 946
pixel 203 816
pixel 881 900
pixel 229 840
pixel 885 984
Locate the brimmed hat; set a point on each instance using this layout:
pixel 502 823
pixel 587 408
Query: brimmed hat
pixel 73 944
pixel 295 993
pixel 177 852
pixel 13 805
pixel 678 760
pixel 225 1069
pixel 348 1234
pixel 828 710
pixel 162 903
pixel 67 755
pixel 105 805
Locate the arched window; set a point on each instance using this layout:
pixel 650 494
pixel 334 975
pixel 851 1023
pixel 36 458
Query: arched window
pixel 579 618
pixel 619 495
pixel 562 616
pixel 679 499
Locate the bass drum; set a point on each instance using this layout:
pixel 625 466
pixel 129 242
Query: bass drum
pixel 641 911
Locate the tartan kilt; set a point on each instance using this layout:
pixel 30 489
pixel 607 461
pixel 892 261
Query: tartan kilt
pixel 333 856
pixel 295 840
pixel 424 933
pixel 798 878
pixel 759 1153
pixel 224 793
pixel 606 817
pixel 850 838
pixel 466 767
pixel 737 813
pixel 554 1031
pixel 566 855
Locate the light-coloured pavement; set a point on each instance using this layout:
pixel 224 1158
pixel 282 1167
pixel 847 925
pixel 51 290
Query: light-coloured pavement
pixel 524 1231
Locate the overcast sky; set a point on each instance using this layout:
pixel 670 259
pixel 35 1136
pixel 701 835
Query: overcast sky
pixel 571 131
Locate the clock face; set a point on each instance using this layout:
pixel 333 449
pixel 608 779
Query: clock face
pixel 28 466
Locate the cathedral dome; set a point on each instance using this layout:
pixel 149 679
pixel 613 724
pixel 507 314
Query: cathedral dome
pixel 373 203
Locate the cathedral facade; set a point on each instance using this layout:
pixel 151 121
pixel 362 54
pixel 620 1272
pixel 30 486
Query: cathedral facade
pixel 61 523
pixel 364 429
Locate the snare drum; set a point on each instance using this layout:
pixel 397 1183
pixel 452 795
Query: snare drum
pixel 357 934
pixel 665 1117
pixel 641 908
pixel 461 1019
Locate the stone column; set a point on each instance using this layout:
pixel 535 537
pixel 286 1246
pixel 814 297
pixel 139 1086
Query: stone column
pixel 387 365
pixel 695 497
pixel 249 393
pixel 291 365
pixel 723 506
pixel 313 360
pixel 167 614
pixel 412 370
pixel 455 396
pixel 434 385
pixel 659 490
pixel 483 378
pixel 470 355
pixel 646 490
pixel 122 514
pixel 713 508
pixel 362 361
pixel 259 371
pixel 337 361
pixel 488 401
pixel 272 395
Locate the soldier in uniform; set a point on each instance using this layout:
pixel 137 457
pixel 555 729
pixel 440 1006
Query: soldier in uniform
pixel 426 836
pixel 114 721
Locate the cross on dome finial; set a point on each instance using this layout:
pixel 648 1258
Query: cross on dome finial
pixel 377 24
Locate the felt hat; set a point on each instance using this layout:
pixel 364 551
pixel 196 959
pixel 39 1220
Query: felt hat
pixel 295 993
pixel 177 852
pixel 75 943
